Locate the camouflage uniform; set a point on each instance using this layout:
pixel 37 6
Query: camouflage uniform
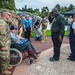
pixel 44 27
pixel 5 41
pixel 10 22
pixel 14 21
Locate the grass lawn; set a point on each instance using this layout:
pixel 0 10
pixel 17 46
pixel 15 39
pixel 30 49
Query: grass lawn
pixel 48 33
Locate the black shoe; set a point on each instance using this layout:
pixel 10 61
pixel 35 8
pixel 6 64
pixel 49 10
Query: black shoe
pixel 38 53
pixel 33 56
pixel 70 58
pixel 70 55
pixel 53 59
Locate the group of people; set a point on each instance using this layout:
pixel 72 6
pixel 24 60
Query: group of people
pixel 12 27
pixel 34 25
pixel 57 33
pixel 5 41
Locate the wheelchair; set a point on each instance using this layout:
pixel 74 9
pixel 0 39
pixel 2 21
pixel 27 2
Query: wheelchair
pixel 16 56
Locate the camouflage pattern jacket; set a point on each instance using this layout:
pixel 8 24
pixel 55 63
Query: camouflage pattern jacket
pixel 4 34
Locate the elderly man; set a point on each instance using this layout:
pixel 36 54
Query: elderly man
pixel 57 34
pixel 5 42
pixel 22 44
pixel 27 24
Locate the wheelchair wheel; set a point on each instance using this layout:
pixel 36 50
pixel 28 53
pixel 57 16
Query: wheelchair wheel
pixel 15 57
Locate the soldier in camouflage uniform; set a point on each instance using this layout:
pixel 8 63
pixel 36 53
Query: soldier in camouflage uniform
pixel 44 23
pixel 5 42
pixel 14 18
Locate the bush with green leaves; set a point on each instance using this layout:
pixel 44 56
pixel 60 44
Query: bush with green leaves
pixel 48 33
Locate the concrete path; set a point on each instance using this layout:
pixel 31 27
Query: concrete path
pixel 42 66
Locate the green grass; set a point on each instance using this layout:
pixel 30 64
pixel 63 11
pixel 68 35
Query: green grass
pixel 66 33
pixel 48 33
pixel 33 34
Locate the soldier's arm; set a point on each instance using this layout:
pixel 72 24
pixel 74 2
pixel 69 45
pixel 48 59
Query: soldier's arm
pixel 44 23
pixel 1 36
pixel 4 33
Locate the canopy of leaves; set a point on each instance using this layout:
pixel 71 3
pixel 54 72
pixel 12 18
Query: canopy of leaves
pixel 10 4
pixel 7 4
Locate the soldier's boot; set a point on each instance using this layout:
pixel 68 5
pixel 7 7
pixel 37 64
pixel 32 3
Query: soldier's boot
pixel 6 72
pixel 43 40
pixel 10 67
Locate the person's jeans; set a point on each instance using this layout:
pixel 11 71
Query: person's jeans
pixel 26 46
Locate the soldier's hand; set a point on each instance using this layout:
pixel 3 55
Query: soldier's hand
pixel 3 48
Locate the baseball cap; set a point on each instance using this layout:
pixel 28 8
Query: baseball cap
pixel 13 27
pixel 5 11
pixel 13 12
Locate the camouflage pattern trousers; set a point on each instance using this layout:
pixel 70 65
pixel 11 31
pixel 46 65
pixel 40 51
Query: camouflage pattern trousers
pixel 5 58
pixel 44 34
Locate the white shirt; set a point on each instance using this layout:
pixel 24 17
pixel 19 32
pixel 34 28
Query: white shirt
pixel 73 25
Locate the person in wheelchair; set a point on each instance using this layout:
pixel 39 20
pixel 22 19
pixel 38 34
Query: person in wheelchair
pixel 21 43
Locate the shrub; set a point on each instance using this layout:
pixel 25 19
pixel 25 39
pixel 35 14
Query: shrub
pixel 48 33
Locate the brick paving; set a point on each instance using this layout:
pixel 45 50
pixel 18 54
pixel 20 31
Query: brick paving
pixel 48 44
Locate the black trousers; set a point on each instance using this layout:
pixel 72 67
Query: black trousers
pixel 27 33
pixel 72 46
pixel 56 44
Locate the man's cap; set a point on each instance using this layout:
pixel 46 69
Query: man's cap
pixel 5 11
pixel 13 12
pixel 13 27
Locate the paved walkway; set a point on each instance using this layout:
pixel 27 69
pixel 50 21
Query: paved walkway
pixel 42 66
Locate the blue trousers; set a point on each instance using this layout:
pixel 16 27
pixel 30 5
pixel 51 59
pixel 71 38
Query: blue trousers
pixel 26 46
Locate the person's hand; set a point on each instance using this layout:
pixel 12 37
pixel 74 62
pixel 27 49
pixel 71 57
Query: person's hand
pixel 60 38
pixel 3 48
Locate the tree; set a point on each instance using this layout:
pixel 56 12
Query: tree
pixel 30 10
pixel 58 7
pixel 7 4
pixel 25 6
pixel 36 11
pixel 71 7
pixel 44 11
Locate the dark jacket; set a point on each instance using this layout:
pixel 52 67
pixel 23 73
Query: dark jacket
pixel 58 24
